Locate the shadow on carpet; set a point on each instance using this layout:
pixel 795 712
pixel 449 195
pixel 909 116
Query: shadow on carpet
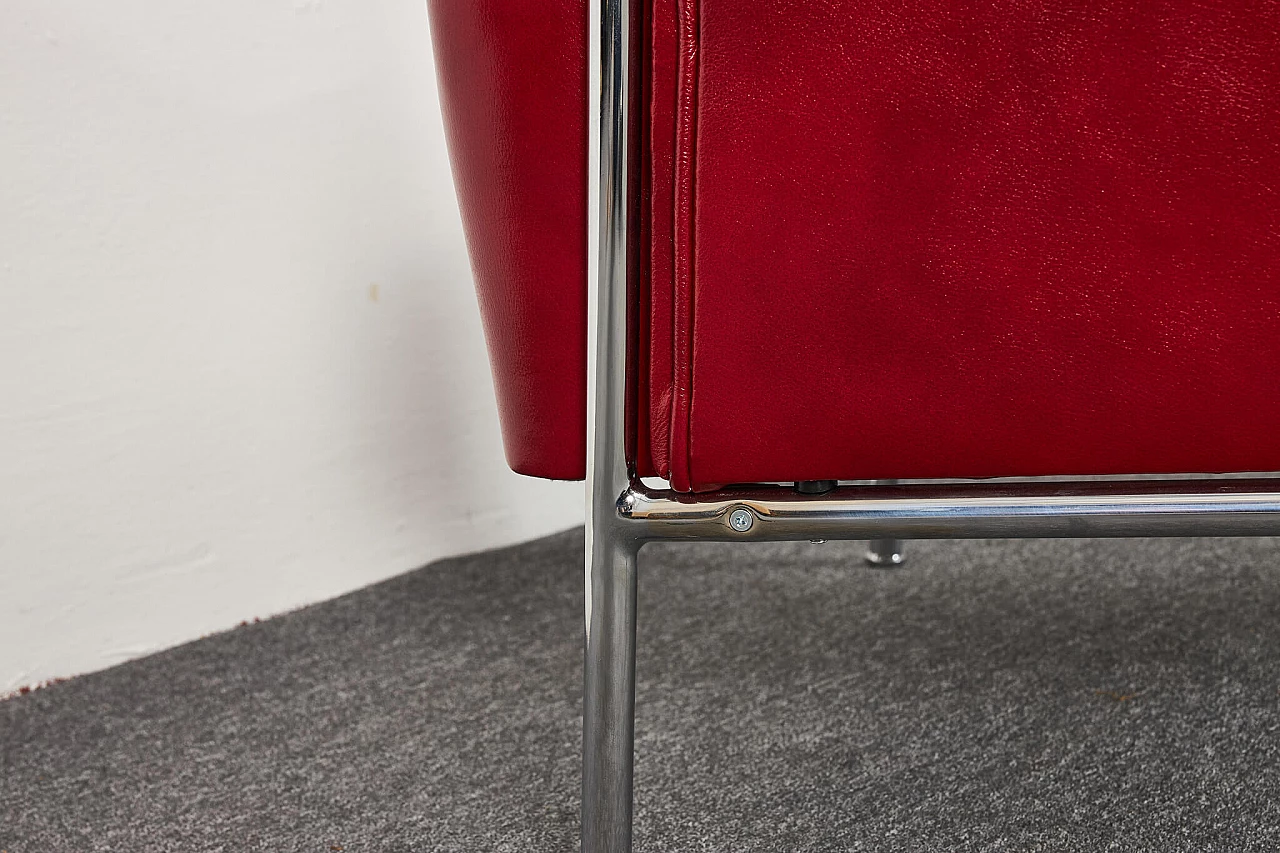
pixel 1042 695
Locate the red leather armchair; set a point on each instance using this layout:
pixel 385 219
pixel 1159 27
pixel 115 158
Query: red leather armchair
pixel 858 241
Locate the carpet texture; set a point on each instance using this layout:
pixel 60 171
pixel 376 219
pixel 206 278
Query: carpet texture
pixel 1042 695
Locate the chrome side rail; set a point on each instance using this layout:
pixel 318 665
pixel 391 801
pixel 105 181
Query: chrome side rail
pixel 1198 507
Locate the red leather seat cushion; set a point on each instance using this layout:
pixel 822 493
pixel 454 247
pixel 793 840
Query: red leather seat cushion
pixel 962 239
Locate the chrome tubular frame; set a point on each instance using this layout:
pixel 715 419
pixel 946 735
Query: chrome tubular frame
pixel 623 514
pixel 608 708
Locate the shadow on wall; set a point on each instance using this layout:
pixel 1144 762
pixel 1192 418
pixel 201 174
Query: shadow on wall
pixel 422 380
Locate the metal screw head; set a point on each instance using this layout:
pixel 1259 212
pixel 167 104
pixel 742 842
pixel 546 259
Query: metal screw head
pixel 741 520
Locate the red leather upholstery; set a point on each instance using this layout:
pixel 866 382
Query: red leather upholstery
pixel 958 240
pixel 512 78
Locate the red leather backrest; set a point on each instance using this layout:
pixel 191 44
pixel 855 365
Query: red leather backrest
pixel 512 78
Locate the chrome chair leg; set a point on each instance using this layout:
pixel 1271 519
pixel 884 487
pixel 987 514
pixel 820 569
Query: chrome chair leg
pixel 608 714
pixel 608 704
pixel 884 553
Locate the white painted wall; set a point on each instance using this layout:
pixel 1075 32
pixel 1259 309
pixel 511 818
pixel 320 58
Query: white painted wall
pixel 241 367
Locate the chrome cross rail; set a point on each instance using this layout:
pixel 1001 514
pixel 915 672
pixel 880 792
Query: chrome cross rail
pixel 982 510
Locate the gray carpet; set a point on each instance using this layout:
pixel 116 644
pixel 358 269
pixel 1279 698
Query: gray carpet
pixel 1088 695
